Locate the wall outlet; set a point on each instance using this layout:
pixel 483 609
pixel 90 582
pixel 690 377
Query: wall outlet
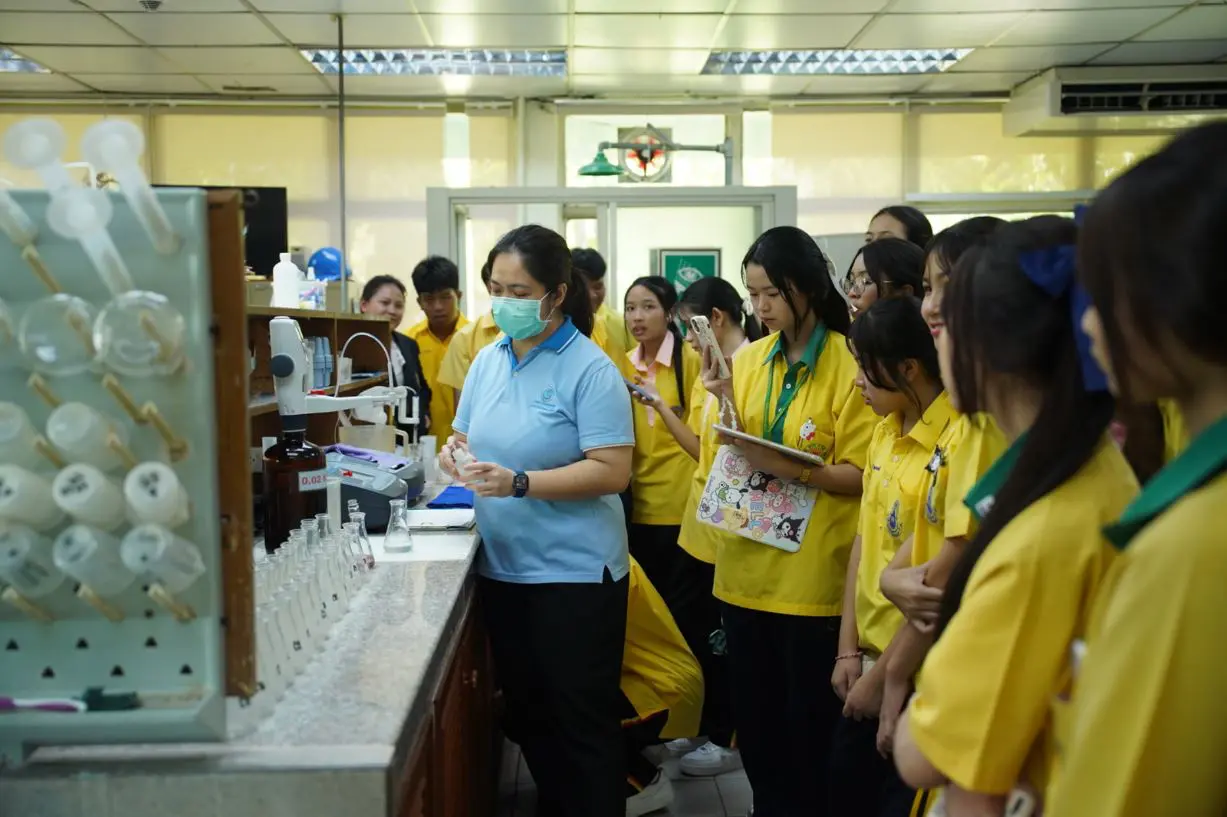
pixel 255 458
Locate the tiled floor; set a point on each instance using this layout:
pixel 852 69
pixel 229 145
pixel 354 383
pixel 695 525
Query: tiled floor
pixel 724 796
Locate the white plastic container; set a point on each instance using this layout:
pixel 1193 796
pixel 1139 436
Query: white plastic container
pixel 84 493
pixel 152 550
pixel 286 277
pixel 91 557
pixel 155 495
pixel 17 435
pixel 81 432
pixel 26 498
pixel 25 562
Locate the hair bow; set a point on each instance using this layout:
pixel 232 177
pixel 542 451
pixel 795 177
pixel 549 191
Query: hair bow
pixel 1053 269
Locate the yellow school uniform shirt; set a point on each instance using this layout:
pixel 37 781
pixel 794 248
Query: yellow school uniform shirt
pixel 431 350
pixel 463 348
pixel 981 712
pixel 662 470
pixel 1147 732
pixel 890 505
pixel 1175 434
pixel 610 333
pixel 827 416
pixel 965 451
pixel 659 672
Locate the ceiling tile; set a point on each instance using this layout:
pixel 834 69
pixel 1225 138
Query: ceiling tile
pixel 936 30
pixel 1026 58
pixel 1195 23
pixel 949 83
pixel 637 61
pixel 1098 26
pixel 810 7
pixel 335 6
pixel 62 29
pixel 175 5
pixel 646 30
pixel 943 6
pixel 1175 52
pixel 254 60
pixel 108 60
pixel 286 84
pixel 173 28
pixel 496 30
pixel 37 83
pixel 492 6
pixel 647 85
pixel 361 30
pixel 776 31
pixel 145 83
pixel 864 85
pixel 652 6
pixel 42 5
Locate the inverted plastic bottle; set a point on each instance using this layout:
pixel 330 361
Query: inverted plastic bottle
pixel 26 563
pixel 154 551
pixel 25 498
pixel 116 145
pixel 17 435
pixel 83 214
pixel 81 433
pixel 91 557
pixel 84 493
pixel 37 144
pixel 155 495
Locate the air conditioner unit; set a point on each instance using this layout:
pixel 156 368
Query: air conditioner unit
pixel 1124 100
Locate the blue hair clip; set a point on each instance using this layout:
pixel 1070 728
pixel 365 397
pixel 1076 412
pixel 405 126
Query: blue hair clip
pixel 1052 269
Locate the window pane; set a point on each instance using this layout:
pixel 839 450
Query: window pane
pixel 74 125
pixel 392 158
pixel 839 154
pixel 967 153
pixel 1116 154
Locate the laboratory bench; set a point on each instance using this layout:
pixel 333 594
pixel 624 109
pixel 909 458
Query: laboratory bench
pixel 395 717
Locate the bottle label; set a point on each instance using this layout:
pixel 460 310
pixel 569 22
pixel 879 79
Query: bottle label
pixel 313 480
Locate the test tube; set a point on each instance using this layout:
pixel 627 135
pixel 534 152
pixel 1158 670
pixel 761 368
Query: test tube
pixel 154 551
pixel 36 144
pixel 84 493
pixel 55 335
pixel 83 213
pixel 155 495
pixel 17 436
pixel 26 563
pixel 81 433
pixel 116 145
pixel 91 556
pixel 26 498
pixel 14 222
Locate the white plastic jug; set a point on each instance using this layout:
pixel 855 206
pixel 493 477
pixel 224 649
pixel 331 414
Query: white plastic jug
pixel 285 283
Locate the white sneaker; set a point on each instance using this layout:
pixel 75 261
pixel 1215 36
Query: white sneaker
pixel 682 746
pixel 710 760
pixel 656 797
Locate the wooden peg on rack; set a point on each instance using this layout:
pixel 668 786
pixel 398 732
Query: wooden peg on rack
pixel 85 332
pixel 176 445
pixel 30 255
pixel 166 349
pixel 111 384
pixel 122 451
pixel 163 598
pixel 11 596
pixel 107 609
pixel 43 389
pixel 43 446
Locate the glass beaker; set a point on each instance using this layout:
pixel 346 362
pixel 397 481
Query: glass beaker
pixel 140 334
pixel 397 538
pixel 55 335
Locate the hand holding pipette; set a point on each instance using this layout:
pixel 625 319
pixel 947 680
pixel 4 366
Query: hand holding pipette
pixel 116 145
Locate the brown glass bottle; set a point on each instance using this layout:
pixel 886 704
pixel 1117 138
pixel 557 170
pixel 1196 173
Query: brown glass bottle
pixel 286 504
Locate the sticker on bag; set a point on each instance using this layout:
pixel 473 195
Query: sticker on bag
pixel 754 504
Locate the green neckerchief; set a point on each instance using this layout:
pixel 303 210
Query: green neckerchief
pixel 794 377
pixel 1202 461
pixel 980 498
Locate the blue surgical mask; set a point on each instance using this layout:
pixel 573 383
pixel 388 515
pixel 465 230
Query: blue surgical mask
pixel 519 318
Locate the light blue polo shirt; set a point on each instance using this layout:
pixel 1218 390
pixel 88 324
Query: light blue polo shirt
pixel 543 412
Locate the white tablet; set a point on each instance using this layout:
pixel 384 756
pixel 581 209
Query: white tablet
pixel 794 453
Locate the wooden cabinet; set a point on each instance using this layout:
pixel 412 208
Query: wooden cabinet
pixel 453 771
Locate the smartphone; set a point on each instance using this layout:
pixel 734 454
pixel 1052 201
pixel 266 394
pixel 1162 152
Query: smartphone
pixel 707 340
pixel 635 387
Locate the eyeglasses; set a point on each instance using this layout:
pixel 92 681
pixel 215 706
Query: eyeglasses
pixel 859 285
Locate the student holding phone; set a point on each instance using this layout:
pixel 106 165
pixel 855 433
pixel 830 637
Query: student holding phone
pixel 780 609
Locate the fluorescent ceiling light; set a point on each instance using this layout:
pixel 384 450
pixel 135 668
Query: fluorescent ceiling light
pixel 439 62
pixel 11 63
pixel 859 62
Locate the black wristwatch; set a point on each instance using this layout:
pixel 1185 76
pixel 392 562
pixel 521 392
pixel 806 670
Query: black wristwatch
pixel 519 485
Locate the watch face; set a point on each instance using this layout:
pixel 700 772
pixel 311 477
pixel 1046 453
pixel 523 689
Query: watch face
pixel 520 483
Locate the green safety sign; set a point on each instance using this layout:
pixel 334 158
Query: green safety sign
pixel 683 267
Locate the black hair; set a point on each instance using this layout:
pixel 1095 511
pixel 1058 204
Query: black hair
pixel 588 263
pixel 546 257
pixel 665 292
pixel 709 294
pixel 796 265
pixel 888 333
pixel 1151 251
pixel 1000 322
pixel 486 269
pixel 949 245
pixel 1145 445
pixel 435 274
pixel 379 282
pixel 892 264
pixel 915 223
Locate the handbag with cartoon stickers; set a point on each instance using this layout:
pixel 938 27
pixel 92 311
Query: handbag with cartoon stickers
pixel 754 504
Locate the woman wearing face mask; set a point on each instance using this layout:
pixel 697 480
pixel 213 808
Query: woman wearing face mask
pixel 665 369
pixel 690 595
pixel 546 416
pixel 1146 732
pixel 900 380
pixel 900 221
pixel 384 296
pixel 1020 594
pixel 884 268
pixel 780 609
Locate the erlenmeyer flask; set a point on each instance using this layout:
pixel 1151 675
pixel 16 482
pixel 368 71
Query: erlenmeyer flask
pixel 364 539
pixel 397 538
